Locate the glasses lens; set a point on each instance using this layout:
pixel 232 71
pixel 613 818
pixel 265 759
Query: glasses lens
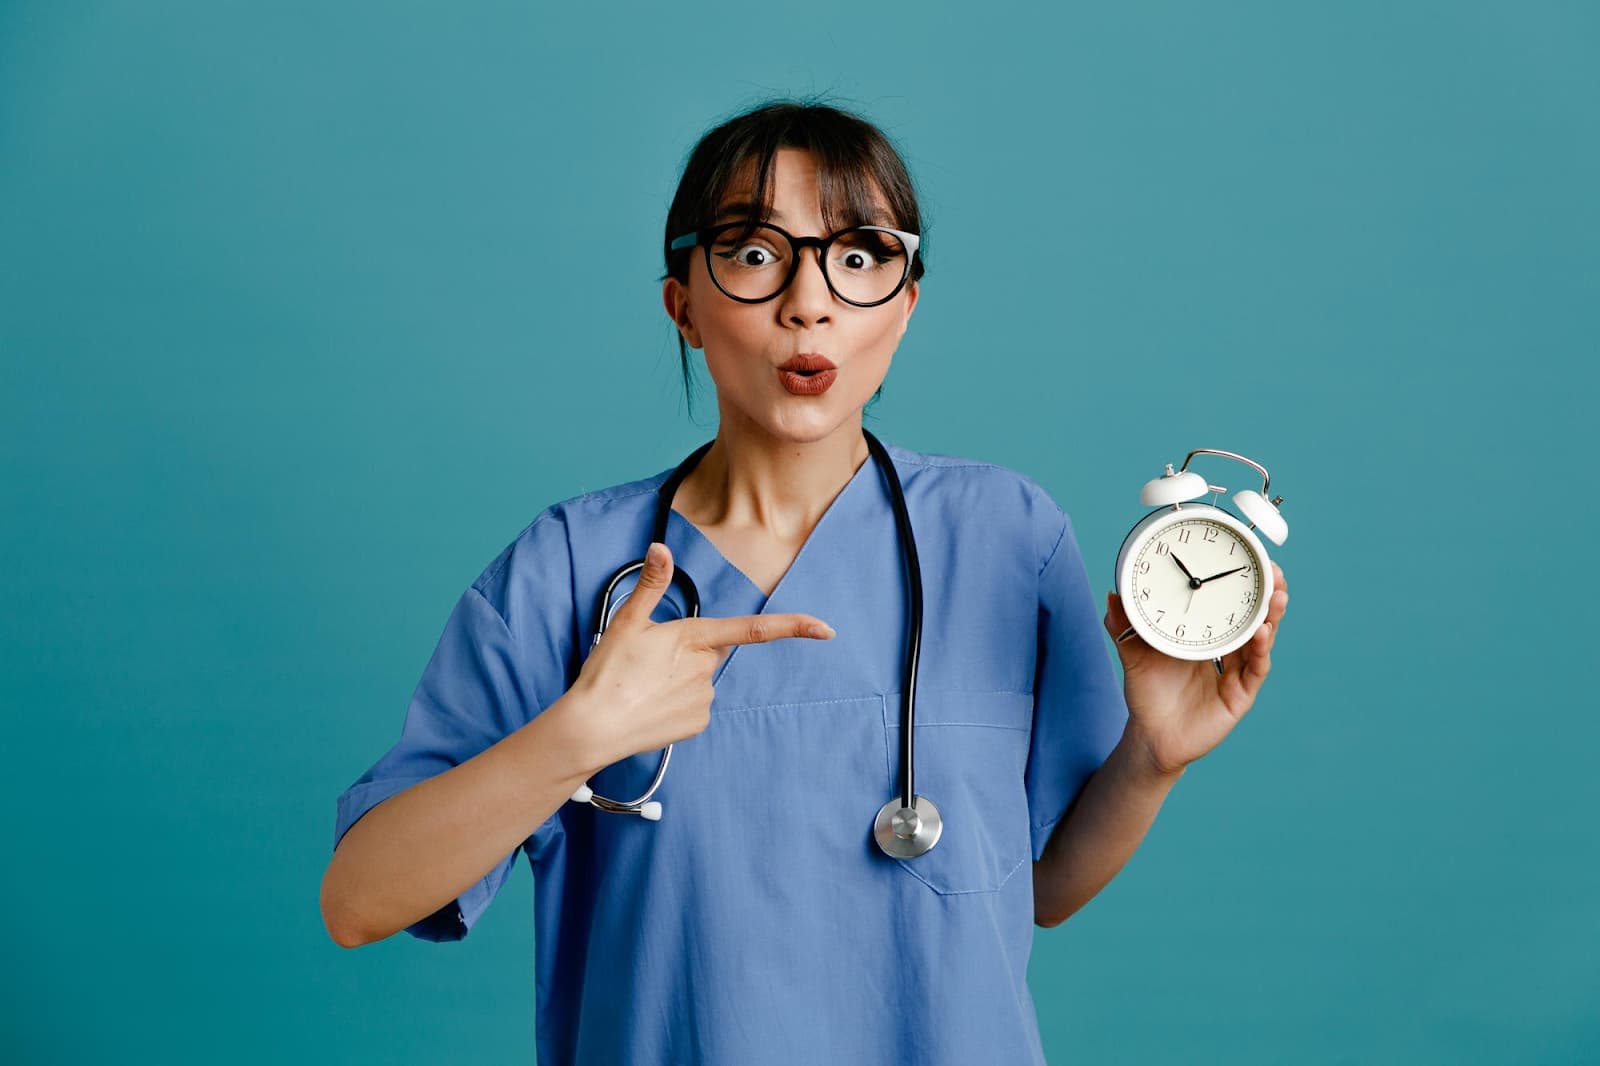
pixel 866 265
pixel 750 261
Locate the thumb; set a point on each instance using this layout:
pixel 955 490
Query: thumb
pixel 653 581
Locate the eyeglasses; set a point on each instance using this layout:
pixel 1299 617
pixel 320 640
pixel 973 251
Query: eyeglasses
pixel 753 262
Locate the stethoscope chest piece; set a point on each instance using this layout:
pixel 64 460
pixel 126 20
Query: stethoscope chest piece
pixel 906 832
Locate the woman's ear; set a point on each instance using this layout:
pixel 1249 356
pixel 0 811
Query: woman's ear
pixel 675 298
pixel 912 289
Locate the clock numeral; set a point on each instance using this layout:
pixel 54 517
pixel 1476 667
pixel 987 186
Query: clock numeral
pixel 1207 634
pixel 1230 619
pixel 1183 535
pixel 1210 535
pixel 1144 593
pixel 1180 631
pixel 1247 598
pixel 1232 544
pixel 1163 548
pixel 1160 615
pixel 1143 567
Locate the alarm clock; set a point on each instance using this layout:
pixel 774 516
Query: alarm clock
pixel 1195 580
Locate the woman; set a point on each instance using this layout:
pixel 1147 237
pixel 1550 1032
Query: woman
pixel 783 907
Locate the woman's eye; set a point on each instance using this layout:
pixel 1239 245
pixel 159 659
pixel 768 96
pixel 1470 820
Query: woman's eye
pixel 751 255
pixel 863 255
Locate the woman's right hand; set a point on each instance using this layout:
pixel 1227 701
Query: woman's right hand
pixel 648 684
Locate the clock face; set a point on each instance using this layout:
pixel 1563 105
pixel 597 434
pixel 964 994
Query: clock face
pixel 1197 583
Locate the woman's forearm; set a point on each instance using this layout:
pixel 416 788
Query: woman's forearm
pixel 1100 831
pixel 423 847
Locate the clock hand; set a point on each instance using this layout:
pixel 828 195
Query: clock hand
pixel 1225 573
pixel 1194 582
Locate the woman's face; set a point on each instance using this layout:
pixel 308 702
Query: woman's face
pixel 744 344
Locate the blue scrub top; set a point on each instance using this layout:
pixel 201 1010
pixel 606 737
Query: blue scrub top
pixel 757 921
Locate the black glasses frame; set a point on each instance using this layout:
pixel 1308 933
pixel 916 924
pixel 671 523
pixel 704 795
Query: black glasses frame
pixel 706 238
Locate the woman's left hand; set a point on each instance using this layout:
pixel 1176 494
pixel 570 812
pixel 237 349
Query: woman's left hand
pixel 1179 710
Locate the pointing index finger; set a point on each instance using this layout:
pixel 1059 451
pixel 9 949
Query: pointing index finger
pixel 713 633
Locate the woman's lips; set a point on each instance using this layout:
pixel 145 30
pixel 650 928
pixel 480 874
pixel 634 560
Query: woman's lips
pixel 815 384
pixel 808 361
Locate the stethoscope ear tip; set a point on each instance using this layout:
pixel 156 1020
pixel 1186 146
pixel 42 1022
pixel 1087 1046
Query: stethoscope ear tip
pixel 583 795
pixel 651 811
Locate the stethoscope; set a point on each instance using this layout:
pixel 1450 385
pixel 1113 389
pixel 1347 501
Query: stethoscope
pixel 906 826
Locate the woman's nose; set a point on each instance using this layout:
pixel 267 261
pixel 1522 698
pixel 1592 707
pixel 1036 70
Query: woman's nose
pixel 807 299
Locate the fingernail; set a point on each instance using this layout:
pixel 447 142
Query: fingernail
pixel 822 629
pixel 652 555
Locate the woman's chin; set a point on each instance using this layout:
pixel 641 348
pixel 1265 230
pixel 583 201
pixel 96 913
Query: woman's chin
pixel 816 426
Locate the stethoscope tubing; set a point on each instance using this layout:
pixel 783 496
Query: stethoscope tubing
pixel 908 688
pixel 908 551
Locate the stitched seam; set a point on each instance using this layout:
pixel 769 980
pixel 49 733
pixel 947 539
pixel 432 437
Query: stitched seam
pixel 1059 538
pixel 908 869
pixel 906 866
pixel 800 703
pixel 971 465
pixel 932 459
pixel 622 495
pixel 494 611
pixel 547 513
pixel 883 696
pixel 978 691
pixel 506 703
pixel 968 725
pixel 461 913
pixel 1025 859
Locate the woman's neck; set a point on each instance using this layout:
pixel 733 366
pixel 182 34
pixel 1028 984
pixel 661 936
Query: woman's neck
pixel 749 480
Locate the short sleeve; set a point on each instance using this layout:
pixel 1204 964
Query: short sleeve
pixel 484 681
pixel 1079 707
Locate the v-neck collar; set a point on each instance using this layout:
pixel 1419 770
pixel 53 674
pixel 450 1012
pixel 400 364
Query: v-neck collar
pixel 730 591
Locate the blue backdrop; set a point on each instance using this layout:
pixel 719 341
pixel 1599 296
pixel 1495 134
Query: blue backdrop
pixel 306 309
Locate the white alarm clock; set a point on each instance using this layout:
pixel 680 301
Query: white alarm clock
pixel 1195 580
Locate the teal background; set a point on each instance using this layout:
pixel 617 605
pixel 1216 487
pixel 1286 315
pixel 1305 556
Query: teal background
pixel 306 309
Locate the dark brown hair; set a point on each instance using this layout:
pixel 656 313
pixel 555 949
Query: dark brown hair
pixel 854 158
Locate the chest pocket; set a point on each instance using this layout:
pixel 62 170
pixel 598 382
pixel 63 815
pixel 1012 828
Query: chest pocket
pixel 971 754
